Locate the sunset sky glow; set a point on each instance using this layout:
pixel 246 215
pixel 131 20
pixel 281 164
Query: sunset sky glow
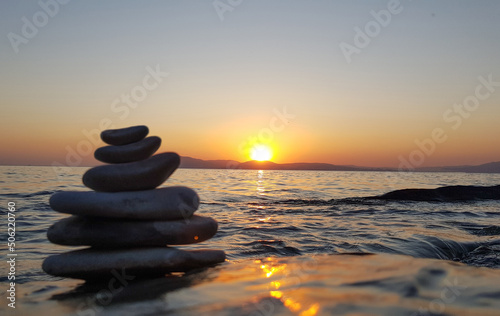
pixel 344 82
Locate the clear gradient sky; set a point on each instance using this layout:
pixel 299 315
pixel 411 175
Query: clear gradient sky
pixel 232 66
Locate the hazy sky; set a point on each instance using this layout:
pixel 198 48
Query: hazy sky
pixel 343 82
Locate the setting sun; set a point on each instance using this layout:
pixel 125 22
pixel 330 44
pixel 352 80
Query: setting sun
pixel 261 153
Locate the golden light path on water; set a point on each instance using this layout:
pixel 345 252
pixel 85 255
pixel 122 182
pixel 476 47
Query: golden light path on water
pixel 290 301
pixel 270 269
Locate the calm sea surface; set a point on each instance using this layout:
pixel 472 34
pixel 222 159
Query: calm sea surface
pixel 286 213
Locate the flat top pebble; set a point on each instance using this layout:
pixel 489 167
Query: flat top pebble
pixel 124 136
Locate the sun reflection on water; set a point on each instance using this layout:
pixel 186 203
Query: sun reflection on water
pixel 267 219
pixel 271 270
pixel 260 183
pixel 293 303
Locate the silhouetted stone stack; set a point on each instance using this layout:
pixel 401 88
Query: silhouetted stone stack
pixel 126 220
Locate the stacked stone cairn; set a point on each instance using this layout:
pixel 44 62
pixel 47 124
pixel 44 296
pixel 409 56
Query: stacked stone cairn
pixel 126 220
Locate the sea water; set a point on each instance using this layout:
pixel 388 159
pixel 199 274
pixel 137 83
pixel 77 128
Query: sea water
pixel 276 214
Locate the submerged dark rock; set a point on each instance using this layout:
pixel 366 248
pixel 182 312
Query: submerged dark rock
pixel 444 194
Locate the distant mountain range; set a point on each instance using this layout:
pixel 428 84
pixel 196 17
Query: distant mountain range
pixel 492 167
pixel 188 162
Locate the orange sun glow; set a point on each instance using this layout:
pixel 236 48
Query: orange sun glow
pixel 261 153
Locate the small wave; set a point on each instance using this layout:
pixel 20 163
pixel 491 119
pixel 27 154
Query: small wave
pixel 265 242
pixel 27 195
pixel 320 202
pixel 304 202
pixel 290 228
pixel 40 193
pixel 484 256
pixel 439 248
pixel 264 248
pixel 213 203
pixel 484 231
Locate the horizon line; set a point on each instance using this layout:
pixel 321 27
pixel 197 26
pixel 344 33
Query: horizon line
pixel 266 161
